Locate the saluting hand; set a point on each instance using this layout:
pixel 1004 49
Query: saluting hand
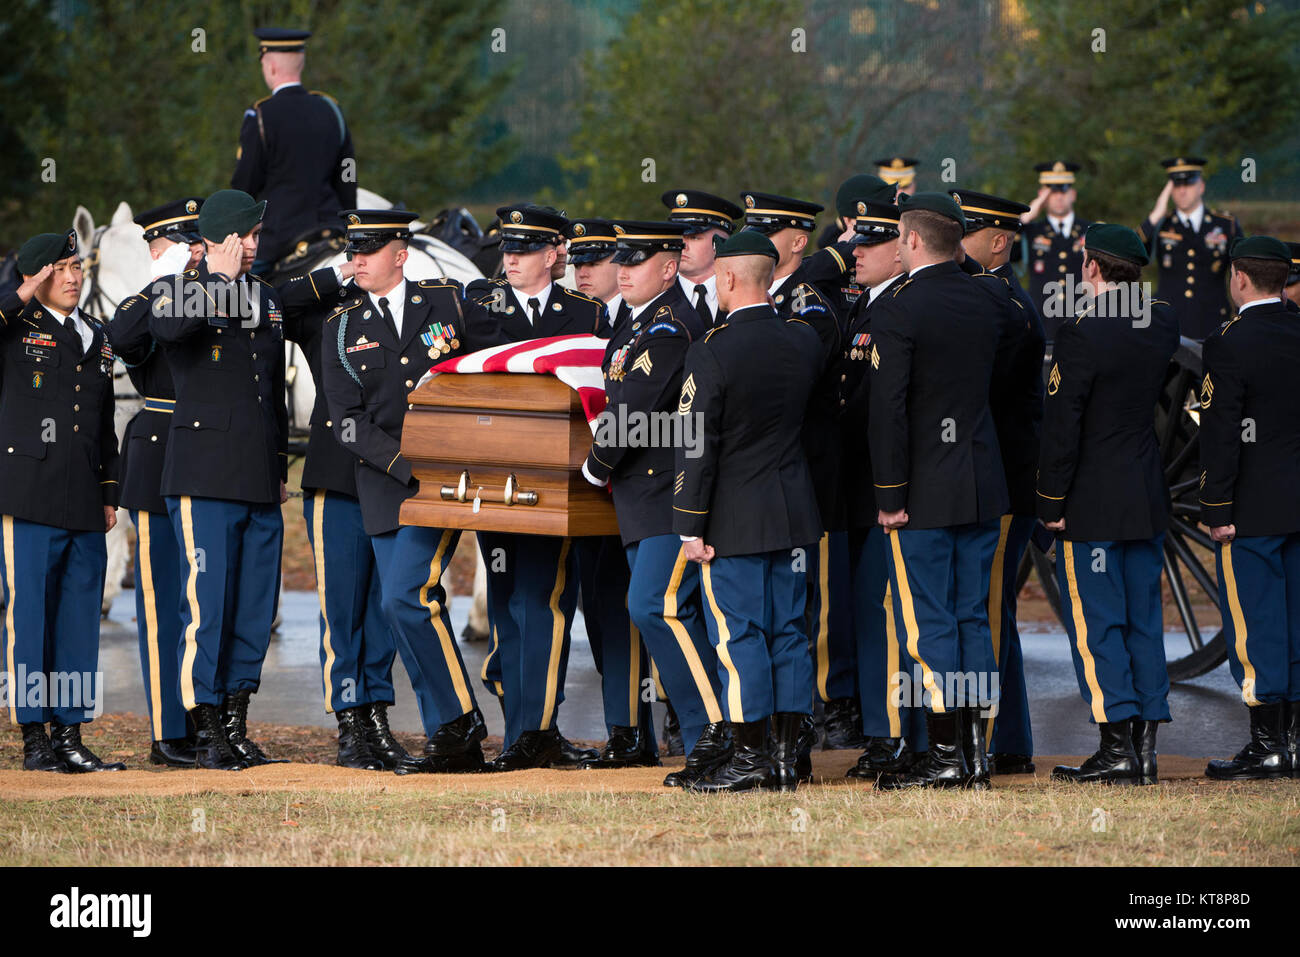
pixel 1162 204
pixel 32 283
pixel 227 258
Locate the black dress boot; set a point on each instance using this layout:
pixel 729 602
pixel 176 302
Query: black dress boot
pixel 354 752
pixel 808 737
pixel 750 766
pixel 572 756
pixel 1265 755
pixel 1293 736
pixel 37 753
pixel 672 733
pixel 1144 746
pixel 626 748
pixel 973 749
pixel 942 766
pixel 532 749
pixel 844 725
pixel 1115 762
pixel 379 736
pixel 883 756
pixel 787 726
pixel 65 739
pixel 712 750
pixel 211 746
pixel 455 748
pixel 173 752
pixel 234 716
pixel 1004 763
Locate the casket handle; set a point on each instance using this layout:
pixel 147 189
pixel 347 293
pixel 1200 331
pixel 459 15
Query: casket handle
pixel 515 497
pixel 460 492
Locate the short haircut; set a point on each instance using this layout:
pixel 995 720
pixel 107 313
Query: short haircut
pixel 753 270
pixel 1113 269
pixel 940 234
pixel 1266 275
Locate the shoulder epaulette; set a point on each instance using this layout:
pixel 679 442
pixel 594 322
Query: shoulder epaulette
pixel 1159 302
pixel 1082 314
pixel 901 286
pixel 838 258
pixel 1228 325
pixel 259 103
pixel 191 274
pixel 715 330
pixel 322 93
pixel 800 321
pixel 437 283
pixel 583 296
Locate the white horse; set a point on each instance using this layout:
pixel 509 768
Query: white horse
pixel 117 265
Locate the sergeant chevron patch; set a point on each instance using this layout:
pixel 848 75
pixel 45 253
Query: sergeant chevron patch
pixel 688 395
pixel 1054 379
pixel 643 363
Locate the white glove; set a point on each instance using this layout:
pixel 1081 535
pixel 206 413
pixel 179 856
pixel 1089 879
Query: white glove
pixel 599 483
pixel 171 262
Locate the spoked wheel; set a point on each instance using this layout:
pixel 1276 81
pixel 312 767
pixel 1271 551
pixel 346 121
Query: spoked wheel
pixel 1189 572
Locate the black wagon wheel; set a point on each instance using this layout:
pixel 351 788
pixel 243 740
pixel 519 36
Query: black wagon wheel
pixel 1189 572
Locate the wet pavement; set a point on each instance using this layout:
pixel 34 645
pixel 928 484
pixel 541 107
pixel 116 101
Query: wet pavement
pixel 1209 718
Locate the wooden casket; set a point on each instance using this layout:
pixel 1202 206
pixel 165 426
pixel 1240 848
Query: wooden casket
pixel 502 452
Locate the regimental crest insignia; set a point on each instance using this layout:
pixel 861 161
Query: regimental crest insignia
pixel 680 199
pixel 688 395
pixel 749 202
pixel 354 219
pixel 215 354
pixel 191 207
pixel 516 217
pixel 643 363
pixel 1207 391
pixel 1054 379
pixel 579 230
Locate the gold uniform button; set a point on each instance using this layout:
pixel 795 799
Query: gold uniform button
pixel 843 377
pixel 75 388
pixel 329 424
pixel 363 367
pixel 410 405
pixel 1190 280
pixel 78 368
pixel 410 384
pixel 1062 267
pixel 1062 255
pixel 76 408
pixel 196 423
pixel 153 438
pixel 254 355
pixel 842 402
pixel 11 450
pixel 257 378
pixel 1187 293
pixel 1191 254
pixel 405 360
pixel 649 471
pixel 76 428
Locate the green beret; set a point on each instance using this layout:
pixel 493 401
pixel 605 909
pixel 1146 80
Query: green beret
pixel 229 211
pixel 45 249
pixel 1116 240
pixel 941 203
pixel 861 188
pixel 747 242
pixel 1260 247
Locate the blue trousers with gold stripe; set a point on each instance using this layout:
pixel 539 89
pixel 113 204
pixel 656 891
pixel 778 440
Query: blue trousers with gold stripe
pixel 412 561
pixel 615 641
pixel 880 655
pixel 158 564
pixel 494 551
pixel 532 602
pixel 356 644
pixel 830 618
pixel 53 586
pixel 756 624
pixel 1110 599
pixel 664 600
pixel 230 562
pixel 939 579
pixel 1259 592
pixel 1008 731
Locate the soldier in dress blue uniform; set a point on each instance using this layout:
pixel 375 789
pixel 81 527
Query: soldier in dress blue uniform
pixel 643 371
pixel 939 483
pixel 709 220
pixel 899 172
pixel 58 498
pixel 1250 456
pixel 1190 247
pixel 810 288
pixel 373 350
pixel 1101 488
pixel 224 470
pixel 841 234
pixel 1052 249
pixel 746 509
pixel 172 232
pixel 532 579
pixel 1016 400
pixel 295 150
pixel 357 647
pixel 893 728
